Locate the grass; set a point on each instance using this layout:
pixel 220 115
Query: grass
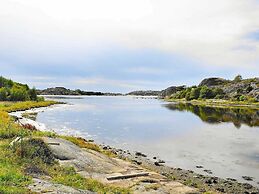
pixel 12 178
pixel 32 154
pixel 82 143
pixel 69 177
pixel 152 187
pixel 20 106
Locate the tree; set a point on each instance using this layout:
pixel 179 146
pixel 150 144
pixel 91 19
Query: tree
pixel 33 94
pixel 19 94
pixel 195 93
pixel 3 94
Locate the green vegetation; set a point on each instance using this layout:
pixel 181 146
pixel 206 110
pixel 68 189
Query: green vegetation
pixel 20 106
pixel 203 92
pixel 238 90
pixel 69 177
pixel 13 91
pixel 82 143
pixel 238 78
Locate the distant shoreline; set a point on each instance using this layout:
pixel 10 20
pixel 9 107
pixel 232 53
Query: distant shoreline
pixel 218 103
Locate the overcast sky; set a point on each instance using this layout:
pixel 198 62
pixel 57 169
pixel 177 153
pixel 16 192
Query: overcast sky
pixel 124 45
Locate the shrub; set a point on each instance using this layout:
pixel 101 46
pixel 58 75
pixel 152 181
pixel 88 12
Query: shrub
pixel 34 149
pixel 33 94
pixel 242 98
pixel 195 93
pixel 206 93
pixel 4 92
pixel 238 78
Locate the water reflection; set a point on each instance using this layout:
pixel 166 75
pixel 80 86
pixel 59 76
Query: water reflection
pixel 237 116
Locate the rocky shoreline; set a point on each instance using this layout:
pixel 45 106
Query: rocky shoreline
pixel 189 178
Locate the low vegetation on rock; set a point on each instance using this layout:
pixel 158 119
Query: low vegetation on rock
pixel 217 88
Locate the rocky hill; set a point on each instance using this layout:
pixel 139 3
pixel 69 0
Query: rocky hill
pixel 238 89
pixel 171 90
pixel 235 88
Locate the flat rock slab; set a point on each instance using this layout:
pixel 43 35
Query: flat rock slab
pixel 43 186
pixel 92 164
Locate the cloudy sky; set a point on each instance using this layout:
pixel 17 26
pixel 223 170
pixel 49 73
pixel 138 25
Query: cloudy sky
pixel 124 45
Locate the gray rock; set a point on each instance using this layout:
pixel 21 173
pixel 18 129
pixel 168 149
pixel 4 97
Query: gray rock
pixel 44 186
pixel 171 90
pixel 214 81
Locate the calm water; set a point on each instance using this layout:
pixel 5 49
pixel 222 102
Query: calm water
pixel 221 140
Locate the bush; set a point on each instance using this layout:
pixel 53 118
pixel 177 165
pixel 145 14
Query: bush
pixel 238 78
pixel 206 93
pixel 4 92
pixel 242 98
pixel 19 94
pixel 34 148
pixel 33 94
pixel 195 93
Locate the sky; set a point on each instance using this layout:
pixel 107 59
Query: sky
pixel 126 45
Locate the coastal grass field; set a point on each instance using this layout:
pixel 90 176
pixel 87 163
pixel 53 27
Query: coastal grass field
pixel 32 155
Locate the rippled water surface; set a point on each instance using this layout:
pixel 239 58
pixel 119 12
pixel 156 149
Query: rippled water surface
pixel 225 141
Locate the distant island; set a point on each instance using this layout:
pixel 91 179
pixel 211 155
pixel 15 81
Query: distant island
pixel 77 92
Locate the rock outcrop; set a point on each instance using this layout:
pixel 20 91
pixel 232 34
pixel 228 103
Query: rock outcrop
pixel 246 87
pixel 171 90
pixel 92 164
pixel 214 81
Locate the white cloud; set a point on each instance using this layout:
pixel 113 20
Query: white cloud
pixel 121 84
pixel 209 31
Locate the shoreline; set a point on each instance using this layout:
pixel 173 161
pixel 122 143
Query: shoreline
pixel 217 103
pixel 186 177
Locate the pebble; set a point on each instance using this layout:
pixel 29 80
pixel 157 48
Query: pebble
pixel 231 179
pixel 247 186
pixel 140 154
pixel 247 178
pixel 157 163
pixel 208 171
pixel 161 161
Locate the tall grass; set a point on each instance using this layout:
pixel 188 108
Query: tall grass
pixel 20 106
